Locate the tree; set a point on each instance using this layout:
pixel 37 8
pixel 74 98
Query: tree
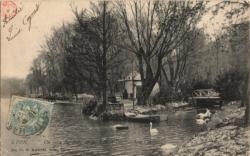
pixel 247 97
pixel 36 79
pixel 174 67
pixel 53 53
pixel 78 57
pixel 93 45
pixel 236 12
pixel 49 68
pixel 155 29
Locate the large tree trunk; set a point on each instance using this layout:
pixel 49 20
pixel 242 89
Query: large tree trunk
pixel 149 82
pixel 248 103
pixel 147 89
pixel 246 99
pixel 176 70
pixel 247 95
pixel 104 58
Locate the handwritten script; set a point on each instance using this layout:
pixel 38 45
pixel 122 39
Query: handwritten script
pixel 12 27
pixel 28 18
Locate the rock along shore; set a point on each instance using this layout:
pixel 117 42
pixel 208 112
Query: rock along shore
pixel 224 135
pixel 224 141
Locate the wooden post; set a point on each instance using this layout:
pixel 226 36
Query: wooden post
pixel 247 95
pixel 247 99
pixel 133 85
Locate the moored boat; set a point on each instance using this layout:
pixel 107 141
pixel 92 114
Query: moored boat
pixel 144 118
pixel 120 127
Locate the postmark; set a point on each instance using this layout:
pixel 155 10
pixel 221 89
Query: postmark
pixel 8 10
pixel 15 19
pixel 28 116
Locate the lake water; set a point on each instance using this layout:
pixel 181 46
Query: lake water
pixel 71 133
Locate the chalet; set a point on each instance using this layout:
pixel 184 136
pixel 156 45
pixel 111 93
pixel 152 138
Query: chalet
pixel 132 85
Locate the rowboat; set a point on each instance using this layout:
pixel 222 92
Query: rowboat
pixel 144 118
pixel 120 127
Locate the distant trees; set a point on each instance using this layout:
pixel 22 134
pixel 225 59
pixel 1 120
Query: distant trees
pixel 12 86
pixel 53 53
pixel 154 30
pixel 82 56
pixel 47 72
pixel 36 79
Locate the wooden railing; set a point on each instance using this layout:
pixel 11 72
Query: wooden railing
pixel 205 93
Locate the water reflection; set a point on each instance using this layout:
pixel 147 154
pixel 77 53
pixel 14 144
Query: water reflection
pixel 70 133
pixel 74 134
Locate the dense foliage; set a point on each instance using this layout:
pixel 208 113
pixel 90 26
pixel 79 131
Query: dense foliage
pixel 231 85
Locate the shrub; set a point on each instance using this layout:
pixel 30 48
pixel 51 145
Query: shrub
pixel 89 107
pixel 230 85
pixel 184 90
pixel 201 84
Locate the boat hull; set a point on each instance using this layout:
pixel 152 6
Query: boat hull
pixel 145 118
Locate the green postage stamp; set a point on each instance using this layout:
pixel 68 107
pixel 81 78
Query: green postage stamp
pixel 28 116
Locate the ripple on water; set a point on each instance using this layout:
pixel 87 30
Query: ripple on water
pixel 73 134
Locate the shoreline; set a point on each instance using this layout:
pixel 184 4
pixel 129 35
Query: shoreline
pixel 225 134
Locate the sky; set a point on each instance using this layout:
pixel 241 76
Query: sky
pixel 18 53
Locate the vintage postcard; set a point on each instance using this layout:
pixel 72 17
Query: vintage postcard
pixel 125 78
pixel 27 126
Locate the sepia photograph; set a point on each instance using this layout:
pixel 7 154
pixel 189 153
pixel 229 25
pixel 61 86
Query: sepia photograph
pixel 125 78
